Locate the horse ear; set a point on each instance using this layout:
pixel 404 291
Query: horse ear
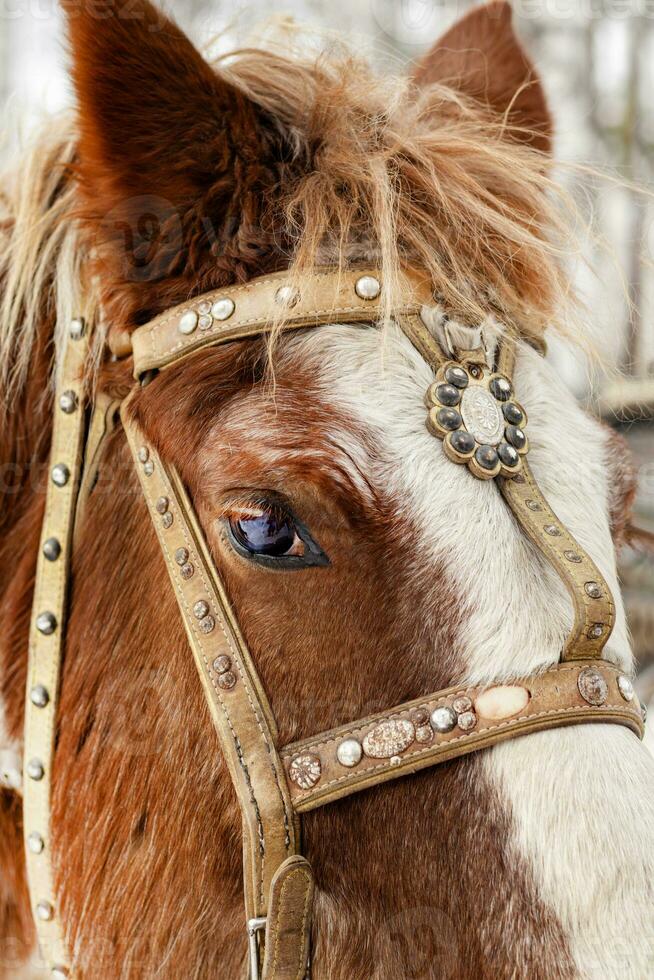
pixel 481 57
pixel 154 117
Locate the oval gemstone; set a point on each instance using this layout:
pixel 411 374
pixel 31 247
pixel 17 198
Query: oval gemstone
pixel 513 413
pixel 462 441
pixel 449 419
pixel 592 686
pixel 389 738
pixel 448 395
pixel 501 388
pixel 508 454
pixel 487 457
pixel 457 376
pixel 516 436
pixel 502 702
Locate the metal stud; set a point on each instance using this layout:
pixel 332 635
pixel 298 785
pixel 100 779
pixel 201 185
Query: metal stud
pixel 457 376
pixel 593 590
pixel 205 321
pixel 44 911
pixel 148 468
pixel 181 556
pixel 533 505
pixel 143 454
pixel 467 721
pixel 553 530
pixel 305 770
pixel 626 688
pixel 186 571
pixel 227 680
pixel 349 753
pixel 462 704
pixel 39 696
pixel 68 402
pixel 595 631
pixel 222 664
pixel 200 609
pixel 60 474
pixel 573 557
pixel 592 686
pixel 188 322
pixel 77 328
pixel 395 760
pixel 51 549
pixel 35 843
pixel 167 519
pixel 207 624
pixel 46 623
pixel 35 770
pixel 204 307
pixel 367 287
pixel 222 309
pixel 443 719
pixel 162 505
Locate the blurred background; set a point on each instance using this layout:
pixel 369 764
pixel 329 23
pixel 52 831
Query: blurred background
pixel 596 58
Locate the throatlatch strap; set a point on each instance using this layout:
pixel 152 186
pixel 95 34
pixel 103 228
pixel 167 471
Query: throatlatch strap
pixel 238 704
pixel 289 921
pixel 46 646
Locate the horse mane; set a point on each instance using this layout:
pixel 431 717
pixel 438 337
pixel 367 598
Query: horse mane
pixel 378 169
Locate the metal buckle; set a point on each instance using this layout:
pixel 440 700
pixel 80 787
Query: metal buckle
pixel 255 926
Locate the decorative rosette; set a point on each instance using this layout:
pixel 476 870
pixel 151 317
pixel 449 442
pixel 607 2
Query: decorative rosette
pixel 472 410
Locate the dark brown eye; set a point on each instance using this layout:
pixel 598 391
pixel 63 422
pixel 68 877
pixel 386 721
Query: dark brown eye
pixel 269 533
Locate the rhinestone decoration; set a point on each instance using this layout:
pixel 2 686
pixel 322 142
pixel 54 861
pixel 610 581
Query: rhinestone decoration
pixel 222 664
pixel 44 911
pixel 39 696
pixel 148 468
pixel 462 704
pixel 553 530
pixel 60 474
pixel 467 721
pixel 593 590
pixel 68 402
pixel 595 631
pixel 367 287
pixel 305 770
pixel 204 307
pixel 424 734
pixel 389 738
pixel 349 753
pixel 420 716
pixel 222 309
pixel 143 454
pixel 207 624
pixel 227 680
pixel 573 557
pixel 592 686
pixel 35 770
pixel 205 321
pixel 626 688
pixel 443 719
pixel 51 549
pixel 46 623
pixel 188 322
pixel 162 505
pixel 181 556
pixel 35 843
pixel 470 411
pixel 186 571
pixel 167 519
pixel 200 609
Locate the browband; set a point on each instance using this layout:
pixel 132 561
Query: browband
pixel 275 784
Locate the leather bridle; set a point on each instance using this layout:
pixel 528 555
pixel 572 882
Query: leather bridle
pixel 275 784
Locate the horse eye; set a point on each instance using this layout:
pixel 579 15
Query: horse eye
pixel 272 536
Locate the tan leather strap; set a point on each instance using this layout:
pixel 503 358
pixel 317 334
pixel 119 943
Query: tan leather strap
pixel 289 921
pixel 46 645
pixel 452 723
pixel 102 423
pixel 238 704
pixel 238 312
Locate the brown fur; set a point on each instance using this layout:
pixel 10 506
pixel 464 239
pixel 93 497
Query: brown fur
pixel 245 174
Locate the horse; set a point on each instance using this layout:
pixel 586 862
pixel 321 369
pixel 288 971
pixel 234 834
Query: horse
pixel 364 568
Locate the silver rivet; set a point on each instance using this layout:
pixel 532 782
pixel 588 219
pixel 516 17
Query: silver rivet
pixel 593 590
pixel 287 296
pixel 222 309
pixel 143 454
pixel 68 402
pixel 592 686
pixel 167 519
pixel 227 680
pixel 553 530
pixel 367 287
pixel 395 760
pixel 200 609
pixel 572 556
pixel 443 719
pixel 76 329
pixel 186 571
pixel 46 623
pixel 222 664
pixel 533 505
pixel 44 911
pixel 39 696
pixel 349 753
pixel 626 688
pixel 462 704
pixel 205 321
pixel 35 770
pixel 162 505
pixel 59 973
pixel 35 843
pixel 467 721
pixel 51 549
pixel 595 631
pixel 207 624
pixel 204 307
pixel 181 556
pixel 60 474
pixel 148 468
pixel 188 322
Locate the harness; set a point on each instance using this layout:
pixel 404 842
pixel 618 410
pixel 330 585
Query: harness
pixel 471 409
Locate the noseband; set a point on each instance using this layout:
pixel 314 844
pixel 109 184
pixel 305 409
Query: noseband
pixel 471 409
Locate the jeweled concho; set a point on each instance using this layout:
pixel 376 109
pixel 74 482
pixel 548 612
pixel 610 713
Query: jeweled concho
pixel 389 738
pixel 305 770
pixel 472 411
